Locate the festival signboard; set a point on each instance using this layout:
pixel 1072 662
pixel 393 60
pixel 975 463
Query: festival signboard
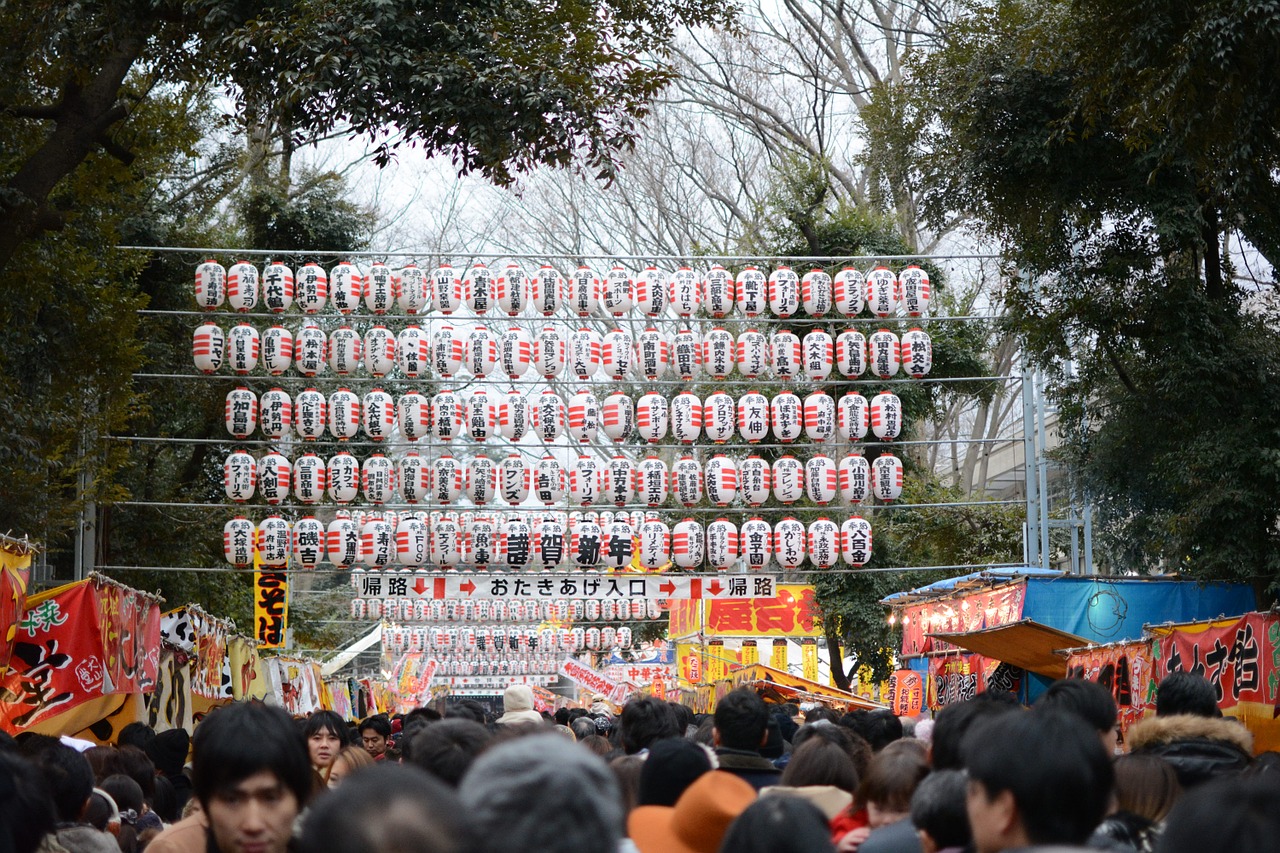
pixel 1126 669
pixel 594 682
pixel 960 677
pixel 972 611
pixel 792 612
pixel 906 693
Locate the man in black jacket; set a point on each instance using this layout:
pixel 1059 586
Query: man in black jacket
pixel 741 728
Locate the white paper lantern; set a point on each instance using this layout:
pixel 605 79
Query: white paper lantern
pixel 446 351
pixel 821 479
pixel 617 415
pixel 824 543
pixel 413 289
pixel 514 478
pixel 514 416
pixel 447 288
pixel 789 542
pixel 481 415
pixel 786 351
pixel 851 353
pixel 240 413
pixel 346 287
pixel 854 477
pixel 650 291
pixel 343 542
pixel 819 416
pixel 515 542
pixel 549 416
pixel 378 479
pixel 477 288
pixel 686 481
pixel 376 413
pixel 848 291
pixel 550 351
pixel 342 474
pixel 482 480
pixel 886 478
pixel 309 348
pixel 310 410
pixel 755 480
pixel 377 542
pixel 619 544
pixel 788 479
pixel 686 354
pixel 277 350
pixel 244 344
pixel 755 541
pixel 882 292
pixel 586 480
pixel 653 353
pixel 546 290
pixel 818 354
pixel 688 544
pixel 619 477
pixel 515 352
pixel 855 541
pixel 273 541
pixel 308 542
pixel 816 292
pixel 583 417
pixel 721 480
pixel 211 285
pixel 311 288
pixel 587 545
pixel 684 289
pixel 379 351
pixel 447 475
pixel 616 350
pixel 277 287
pixel 886 416
pixel 686 417
pixel 652 411
pixel 413 410
pixel 719 351
pixel 718 415
pixel 719 291
pixel 722 544
pixel 480 352
pixel 512 289
pixel 482 544
pixel 239 476
pixel 413 352
pixel 584 353
pixel 883 354
pixel 446 415
pixel 583 291
pixel 309 474
pixel 242 286
pixel 784 292
pixel 652 478
pixel 786 415
pixel 753 292
pixel 917 353
pixel 549 481
pixel 411 542
pixel 237 541
pixel 379 288
pixel 275 476
pixel 344 414
pixel 853 416
pixel 753 417
pixel 913 290
pixel 275 414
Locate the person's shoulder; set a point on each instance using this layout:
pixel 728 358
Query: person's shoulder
pixel 185 836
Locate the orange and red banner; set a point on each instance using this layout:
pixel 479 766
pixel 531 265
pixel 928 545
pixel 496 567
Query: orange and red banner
pixel 958 678
pixel 793 612
pixel 954 614
pixel 906 693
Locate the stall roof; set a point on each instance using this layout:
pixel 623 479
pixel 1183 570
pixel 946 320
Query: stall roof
pixel 1026 643
pixel 986 577
pixel 783 687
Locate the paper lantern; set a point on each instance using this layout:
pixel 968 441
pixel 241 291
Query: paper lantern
pixel 786 416
pixel 816 293
pixel 719 291
pixel 480 352
pixel 546 290
pixel 882 292
pixel 818 354
pixel 413 412
pixel 344 414
pixel 549 481
pixel 824 543
pixel 447 475
pixel 311 411
pixel 853 416
pixel 652 353
pixel 617 294
pixel 753 417
pixel 722 544
pixel 515 352
pixel 684 289
pixel 548 545
pixel 308 542
pixel 211 285
pixel 619 476
pixel 821 479
pixel 482 480
pixel 275 476
pixel 789 542
pixel 848 291
pixel 379 289
pixel 549 416
pixel 414 477
pixel 239 476
pixel 482 544
pixel 346 287
pixel 913 291
pixel 883 354
pixel 273 541
pixel 851 353
pixel 854 478
pixel 275 414
pixel 584 417
pixel 587 545
pixel 688 544
pixel 650 292
pixel 413 289
pixel 686 417
pixel 788 479
pixel 586 480
pixel 651 417
pixel 784 292
pixel 686 354
pixel 241 412
pixel 311 288
pixel 652 478
pixel 343 476
pixel 277 287
pixel 886 415
pixel 277 350
pixel 886 478
pixel 718 415
pixel 514 479
pixel 753 293
pixel 309 472
pixel 446 351
pixel 721 480
pixel 377 543
pixel 447 413
pixel 619 544
pixel 855 541
pixel 583 291
pixel 378 414
pixel 447 289
pixel 481 415
pixel 411 542
pixel 787 359
pixel 237 541
pixel 413 352
pixel 309 347
pixel 755 542
pixel 616 351
pixel 378 479
pixel 686 481
pixel 549 351
pixel 514 416
pixel 243 347
pixel 512 289
pixel 755 480
pixel 208 347
pixel 917 353
pixel 719 350
pixel 584 353
pixel 343 542
pixel 477 288
pixel 242 286
pixel 819 416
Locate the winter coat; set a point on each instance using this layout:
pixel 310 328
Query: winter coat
pixel 1199 748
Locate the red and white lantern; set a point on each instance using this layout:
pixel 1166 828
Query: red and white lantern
pixel 815 292
pixel 446 351
pixel 549 481
pixel 515 352
pixel 755 480
pixel 685 291
pixel 821 480
pixel 853 416
pixel 755 541
pixel 884 354
pixel 377 543
pixel 855 478
pixel 237 541
pixel 788 479
pixel 275 476
pixel 722 544
pixel 787 417
pixel 753 417
pixel 447 414
pixel 686 417
pixel 447 475
pixel 515 542
pixel 512 289
pixel 413 411
pixel 480 352
pixel 851 353
pixel 344 414
pixel 481 415
pixel 652 353
pixel 787 358
pixel 586 545
pixel 584 417
pixel 308 542
pixel 917 353
pixel 655 544
pixel 549 351
pixel 343 475
pixel 311 288
pixel 343 542
pixel 273 541
pixel 886 478
pixel 277 350
pixel 242 286
pixel 753 292
pixel 913 290
pixel 275 414
pixel 849 291
pixel 546 290
pixel 686 481
pixel 686 354
pixel 886 416
pixel 413 289
pixel 241 412
pixel 719 350
pixel 619 476
pixel 239 476
pixel 514 479
pixel 309 473
pixel 650 291
pixel 688 544
pixel 549 416
pixel 586 480
pixel 882 292
pixel 477 288
pixel 824 543
pixel 718 416
pixel 243 347
pixel 619 544
pixel 277 287
pixel 652 478
pixel 211 285
pixel 819 416
pixel 583 291
pixel 482 546
pixel 379 414
pixel 346 287
pixel 584 353
pixel 482 480
pixel 514 416
pixel 378 479
pixel 311 411
pixel 379 289
pixel 413 352
pixel 721 480
pixel 411 541
pixel 415 478
pixel 784 292
pixel 617 294
pixel 447 287
pixel 309 348
pixel 719 291
pixel 651 417
pixel 855 541
pixel 789 543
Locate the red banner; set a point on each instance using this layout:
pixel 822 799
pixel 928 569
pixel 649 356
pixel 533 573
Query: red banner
pixel 965 612
pixel 958 678
pixel 15 573
pixel 906 693
pixel 1126 669
pixel 1238 656
pixel 592 681
pixel 793 613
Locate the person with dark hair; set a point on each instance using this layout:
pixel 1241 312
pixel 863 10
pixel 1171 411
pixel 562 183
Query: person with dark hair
pixel 778 825
pixel 626 771
pixel 128 798
pixel 135 734
pixel 561 716
pixel 390 808
pixel 854 744
pixel 27 813
pixel 895 773
pixel 1226 815
pixel 879 728
pixel 644 721
pixel 1038 778
pixel 685 718
pixel 953 724
pixel 741 728
pixel 938 812
pixel 448 748
pixel 169 752
pixel 1199 748
pixel 468 709
pixel 325 734
pixel 1088 700
pixel 1146 789
pixel 69 780
pixel 672 766
pixel 104 760
pixel 374 733
pixel 251 773
pixel 1186 693
pixel 821 772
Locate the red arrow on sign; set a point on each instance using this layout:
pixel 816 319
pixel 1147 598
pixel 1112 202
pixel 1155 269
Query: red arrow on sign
pixel 467 586
pixel 420 586
pixel 715 588
pixel 669 588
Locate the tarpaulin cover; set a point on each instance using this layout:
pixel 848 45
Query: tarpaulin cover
pixel 1026 643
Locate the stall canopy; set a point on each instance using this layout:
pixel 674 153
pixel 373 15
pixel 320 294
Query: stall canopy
pixel 779 686
pixel 1026 643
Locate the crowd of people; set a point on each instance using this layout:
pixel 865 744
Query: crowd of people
pixel 986 775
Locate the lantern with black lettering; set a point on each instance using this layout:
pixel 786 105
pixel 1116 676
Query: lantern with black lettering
pixel 849 291
pixel 514 479
pixel 616 350
pixel 685 291
pixel 482 543
pixel 913 290
pixel 652 353
pixel 208 347
pixel 619 544
pixel 824 543
pixel 883 354
pixel 308 541
pixel 481 415
pixel 548 416
pixel 815 292
pixel 379 289
pixel 482 480
pixel 514 415
pixel 379 415
pixel 819 352
pixel 788 479
pixel 617 415
pixel 446 541
pixel 718 352
pixel 413 289
pixel 378 479
pixel 584 417
pixel 755 480
pixel 882 292
pixel 587 545
pixel 411 541
pixel 586 480
pixel 719 291
pixel 886 416
pixel 584 353
pixel 851 353
pixel 447 288
pixel 346 286
pixel 379 348
pixel 686 417
pixel 854 477
pixel 619 477
pixel 344 414
pixel 784 292
pixel 309 347
pixel 275 476
pixel 546 290
pixel 310 412
pixel 243 347
pixel 549 481
pixel 651 417
pixel 241 412
pixel 275 414
pixel 415 478
pixel 917 353
pixel 755 541
pixel 686 354
pixel 480 352
pixel 342 474
pixel 273 541
pixel 853 416
pixel 753 417
pixel 211 285
pixel 686 480
pixel 277 287
pixel 549 351
pixel 583 291
pixel 311 288
pixel 787 417
pixel 722 544
pixel 821 479
pixel 239 476
pixel 651 291
pixel 447 415
pixel 655 544
pixel 446 351
pixel 789 542
pixel 617 293
pixel 855 541
pixel 447 475
pixel 721 480
pixel 237 541
pixel 309 473
pixel 413 352
pixel 718 415
pixel 515 352
pixel 753 293
pixel 819 416
pixel 414 413
pixel 477 288
pixel 277 350
pixel 652 479
pixel 886 478
pixel 512 289
pixel 787 359
pixel 688 544
pixel 549 542
pixel 242 286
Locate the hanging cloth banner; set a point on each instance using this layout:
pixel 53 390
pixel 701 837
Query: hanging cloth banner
pixel 270 606
pixel 15 573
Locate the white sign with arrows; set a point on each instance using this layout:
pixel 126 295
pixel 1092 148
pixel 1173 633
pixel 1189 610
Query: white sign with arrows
pixel 462 587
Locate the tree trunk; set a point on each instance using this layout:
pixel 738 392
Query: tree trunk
pixel 838 674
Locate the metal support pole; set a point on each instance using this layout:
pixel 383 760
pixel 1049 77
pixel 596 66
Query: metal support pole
pixel 1030 475
pixel 1042 470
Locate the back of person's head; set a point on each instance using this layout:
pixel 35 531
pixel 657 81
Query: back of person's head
pixel 165 803
pixel 891 780
pixel 596 745
pixel 952 725
pixel 583 728
pixel 139 767
pixel 1146 785
pixel 741 719
pixel 820 762
pixel 705 733
pixel 626 770
pixel 126 792
pixel 880 728
pixel 684 716
pixel 467 709
pixel 1227 815
pixel 542 792
pixel 1053 767
pixel 100 812
pixel 779 825
pixel 938 808
pixel 854 744
pixel 70 780
pixel 646 720
pixel 27 811
pixel 378 724
pixel 427 715
pixel 389 808
pixel 1186 693
pixel 561 716
pixel 672 766
pixel 245 738
pixel 169 750
pixel 447 749
pixel 105 761
pixel 136 734
pixel 821 712
pixel 1088 700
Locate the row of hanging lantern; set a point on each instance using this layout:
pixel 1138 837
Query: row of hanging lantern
pixel 522 640
pixel 516 610
pixel 481 415
pixel 584 292
pixel 588 480
pixel 553 352
pixel 518 544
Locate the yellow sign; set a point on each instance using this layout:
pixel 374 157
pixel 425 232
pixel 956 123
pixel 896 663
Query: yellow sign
pixel 270 606
pixel 792 613
pixel 809 659
pixel 778 660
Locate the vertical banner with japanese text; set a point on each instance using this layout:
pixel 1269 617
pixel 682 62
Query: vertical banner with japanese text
pixel 778 659
pixel 15 573
pixel 1126 669
pixel 809 658
pixel 270 607
pixel 906 693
